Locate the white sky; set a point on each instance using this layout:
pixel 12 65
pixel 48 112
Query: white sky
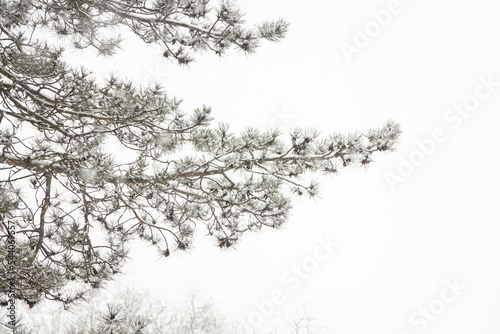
pixel 397 246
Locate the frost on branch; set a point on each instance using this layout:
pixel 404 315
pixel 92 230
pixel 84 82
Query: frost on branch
pixel 76 204
pixel 183 27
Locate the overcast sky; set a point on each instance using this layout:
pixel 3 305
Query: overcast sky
pixel 409 245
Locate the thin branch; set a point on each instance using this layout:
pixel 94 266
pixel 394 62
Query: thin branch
pixel 45 206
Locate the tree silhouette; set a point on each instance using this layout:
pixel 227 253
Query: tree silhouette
pixel 134 312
